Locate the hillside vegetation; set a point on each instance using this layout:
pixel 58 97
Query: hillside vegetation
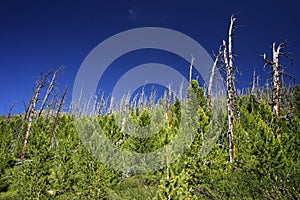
pixel 266 165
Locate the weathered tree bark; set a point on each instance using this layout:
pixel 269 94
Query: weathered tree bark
pixel 32 105
pixel 27 111
pixel 152 99
pixel 253 83
pixel 111 106
pixel 191 69
pixel 230 56
pixel 276 72
pixel 101 106
pixel 230 107
pixel 169 120
pixel 211 79
pixel 51 86
pixel 60 108
pixel 142 100
pixel 169 101
pixel 79 105
pixel 124 110
pixel 94 110
pixel 49 108
pixel 8 118
pixel 70 109
pixel 276 80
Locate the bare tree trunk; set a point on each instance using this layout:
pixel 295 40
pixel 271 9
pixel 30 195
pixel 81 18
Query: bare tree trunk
pixel 152 99
pixel 191 69
pixel 101 106
pixel 27 111
pixel 212 78
pixel 32 105
pixel 51 86
pixel 253 82
pixel 60 108
pixel 49 107
pixel 94 110
pixel 78 108
pixel 70 109
pixel 111 106
pixel 276 87
pixel 124 110
pixel 9 112
pixel 230 110
pixel 268 92
pixel 230 56
pixel 276 81
pixel 259 92
pixel 169 120
pixel 142 100
pixel 169 113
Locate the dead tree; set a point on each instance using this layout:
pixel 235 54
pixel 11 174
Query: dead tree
pixel 50 106
pixel 211 79
pixel 111 106
pixel 78 108
pixel 31 111
pixel 232 106
pixel 70 108
pixel 94 109
pixel 59 110
pixel 52 85
pixel 88 109
pixel 253 83
pixel 276 75
pixel 101 106
pixel 191 69
pixel 169 121
pixel 124 110
pixel 152 99
pixel 230 58
pixel 9 112
pixel 142 102
pixel 168 104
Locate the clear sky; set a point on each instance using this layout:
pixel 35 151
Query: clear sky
pixel 38 35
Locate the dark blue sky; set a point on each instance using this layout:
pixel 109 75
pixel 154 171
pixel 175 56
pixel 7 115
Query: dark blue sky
pixel 38 35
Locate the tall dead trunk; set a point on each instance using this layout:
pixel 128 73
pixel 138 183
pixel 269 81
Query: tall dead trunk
pixel 9 112
pixel 169 113
pixel 51 86
pixel 152 99
pixel 276 72
pixel 27 111
pixel 49 108
pixel 169 120
pixel 211 79
pixel 59 110
pixel 94 110
pixel 253 83
pixel 124 110
pixel 230 107
pixel 276 81
pixel 191 69
pixel 79 105
pixel 111 106
pixel 101 106
pixel 230 58
pixel 32 106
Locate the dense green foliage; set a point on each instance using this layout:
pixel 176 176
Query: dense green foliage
pixel 267 164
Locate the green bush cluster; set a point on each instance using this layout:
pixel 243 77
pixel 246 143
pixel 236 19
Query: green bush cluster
pixel 267 164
